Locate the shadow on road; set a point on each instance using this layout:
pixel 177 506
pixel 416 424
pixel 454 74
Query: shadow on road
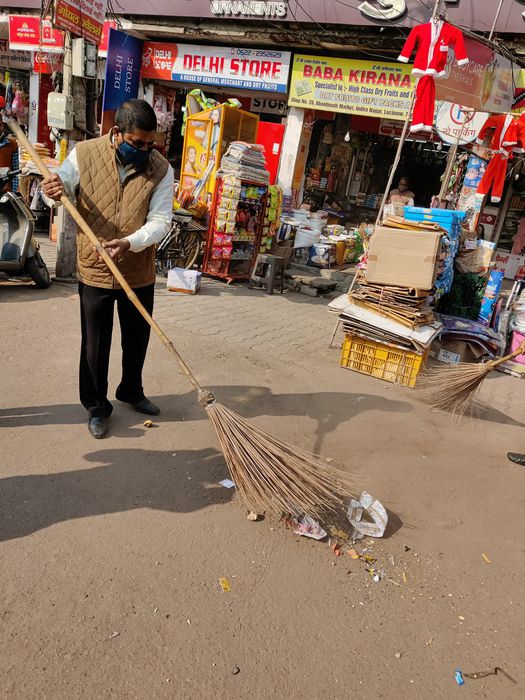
pixel 15 292
pixel 127 480
pixel 328 409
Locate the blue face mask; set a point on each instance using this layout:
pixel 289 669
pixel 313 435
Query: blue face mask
pixel 132 156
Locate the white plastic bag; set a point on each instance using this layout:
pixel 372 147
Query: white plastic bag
pixel 376 511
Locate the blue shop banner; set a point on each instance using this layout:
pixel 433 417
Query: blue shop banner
pixel 122 74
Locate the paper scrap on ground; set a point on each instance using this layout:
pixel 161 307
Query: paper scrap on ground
pixel 227 483
pixel 374 509
pixel 308 527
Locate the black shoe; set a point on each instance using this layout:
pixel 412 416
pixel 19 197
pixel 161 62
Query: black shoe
pixel 147 407
pixel 517 458
pixel 98 427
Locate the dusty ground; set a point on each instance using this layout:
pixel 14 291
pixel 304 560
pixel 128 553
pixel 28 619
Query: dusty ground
pixel 111 550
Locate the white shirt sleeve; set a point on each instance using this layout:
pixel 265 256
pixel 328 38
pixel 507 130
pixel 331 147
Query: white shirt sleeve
pixel 70 177
pixel 159 217
pixel 158 220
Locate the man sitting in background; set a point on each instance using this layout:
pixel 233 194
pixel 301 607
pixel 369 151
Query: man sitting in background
pixel 402 195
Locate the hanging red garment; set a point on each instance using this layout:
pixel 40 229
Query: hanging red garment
pixel 520 136
pixel 505 133
pixel 431 42
pixel 423 114
pixel 503 140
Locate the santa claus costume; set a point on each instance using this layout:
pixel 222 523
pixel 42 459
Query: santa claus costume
pixel 433 41
pixel 504 138
pixel 520 136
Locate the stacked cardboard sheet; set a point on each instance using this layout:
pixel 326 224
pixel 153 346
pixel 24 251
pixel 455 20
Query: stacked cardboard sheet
pixel 410 307
pixel 367 324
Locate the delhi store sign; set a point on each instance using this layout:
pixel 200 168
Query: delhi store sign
pixel 248 69
pixel 84 18
pixel 25 35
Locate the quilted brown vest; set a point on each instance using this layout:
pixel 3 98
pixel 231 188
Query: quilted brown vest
pixel 114 210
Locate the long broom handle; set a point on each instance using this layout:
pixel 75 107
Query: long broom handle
pixel 82 223
pixel 519 351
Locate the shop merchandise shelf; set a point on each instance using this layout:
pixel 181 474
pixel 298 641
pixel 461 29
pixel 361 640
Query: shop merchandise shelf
pixel 230 266
pixel 381 360
pixel 319 189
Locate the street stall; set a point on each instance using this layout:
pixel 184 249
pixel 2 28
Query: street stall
pixel 459 302
pixel 354 112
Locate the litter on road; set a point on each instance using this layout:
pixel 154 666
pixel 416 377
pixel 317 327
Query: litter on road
pixel 459 677
pixel 376 512
pixel 225 585
pixel 227 483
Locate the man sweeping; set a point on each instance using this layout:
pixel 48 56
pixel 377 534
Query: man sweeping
pixel 124 190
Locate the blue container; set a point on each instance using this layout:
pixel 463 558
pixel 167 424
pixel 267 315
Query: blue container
pixel 450 221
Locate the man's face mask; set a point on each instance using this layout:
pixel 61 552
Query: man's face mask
pixel 133 156
pixel 132 153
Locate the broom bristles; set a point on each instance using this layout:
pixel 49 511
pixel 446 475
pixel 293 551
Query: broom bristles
pixel 273 476
pixel 453 388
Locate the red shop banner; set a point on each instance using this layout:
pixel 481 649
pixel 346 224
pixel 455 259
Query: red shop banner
pixel 158 59
pixel 48 63
pixel 84 18
pixel 24 34
pixel 103 46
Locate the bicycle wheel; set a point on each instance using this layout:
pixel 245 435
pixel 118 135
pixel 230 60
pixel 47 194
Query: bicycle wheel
pixel 181 251
pixel 192 248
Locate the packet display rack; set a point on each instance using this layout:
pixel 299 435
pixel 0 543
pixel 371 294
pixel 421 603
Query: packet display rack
pixel 235 229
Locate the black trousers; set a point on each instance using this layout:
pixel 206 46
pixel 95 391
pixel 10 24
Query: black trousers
pixel 96 315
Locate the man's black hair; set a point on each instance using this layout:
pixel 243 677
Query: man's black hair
pixel 135 114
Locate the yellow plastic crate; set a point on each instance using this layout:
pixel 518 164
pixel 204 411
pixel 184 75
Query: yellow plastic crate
pixel 387 362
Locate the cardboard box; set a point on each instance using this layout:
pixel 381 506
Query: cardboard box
pixel 451 351
pixel 184 281
pixel 403 258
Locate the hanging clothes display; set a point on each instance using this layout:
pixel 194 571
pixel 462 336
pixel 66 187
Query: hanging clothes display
pixel 423 113
pixel 431 42
pixel 503 140
pixel 520 135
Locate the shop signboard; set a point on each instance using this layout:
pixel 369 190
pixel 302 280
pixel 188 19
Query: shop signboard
pixel 369 88
pixel 46 62
pixel 15 60
pixel 230 67
pixel 267 105
pixel 455 121
pixel 389 127
pixel 103 46
pixel 25 35
pixel 477 15
pixel 83 18
pixel 507 263
pixel 122 74
pixel 485 83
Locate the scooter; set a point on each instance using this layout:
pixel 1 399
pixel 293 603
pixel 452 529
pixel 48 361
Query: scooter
pixel 19 250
